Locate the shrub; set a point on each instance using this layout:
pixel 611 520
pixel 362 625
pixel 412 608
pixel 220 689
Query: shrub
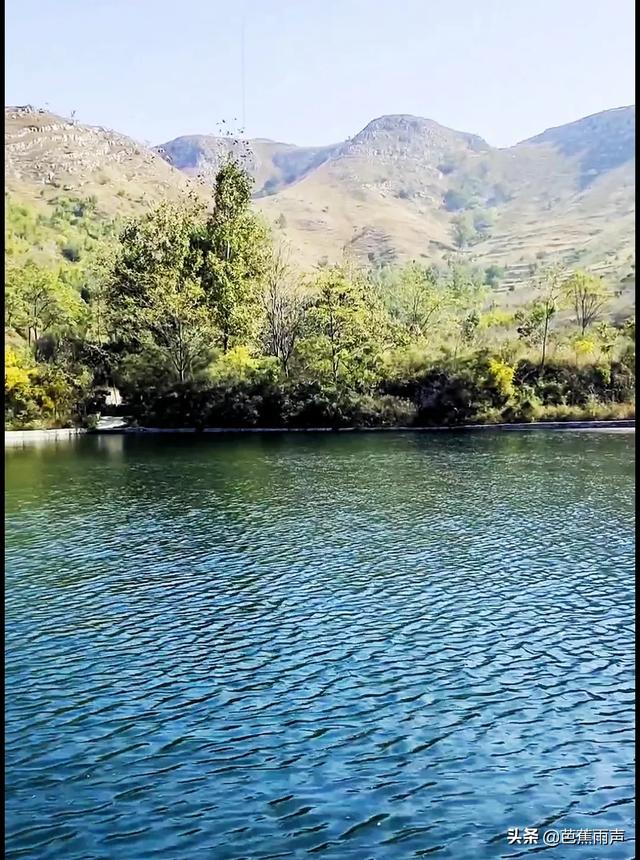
pixel 459 394
pixel 524 407
pixel 45 394
pixel 493 274
pixel 577 385
pixel 310 404
pixel 501 375
pixel 376 411
pixel 454 200
pixel 71 252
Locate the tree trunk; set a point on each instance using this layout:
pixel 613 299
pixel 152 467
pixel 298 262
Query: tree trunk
pixel 544 341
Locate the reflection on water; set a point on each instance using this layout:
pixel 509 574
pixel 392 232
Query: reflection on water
pixel 376 646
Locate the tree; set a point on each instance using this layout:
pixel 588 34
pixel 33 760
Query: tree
pixel 466 294
pixel 235 251
pixel 483 221
pixel 629 328
pixel 345 331
pixel 455 200
pixel 588 297
pixel 549 284
pixel 530 321
pixel 466 289
pixel 469 325
pixel 181 325
pixel 95 289
pixel 418 297
pixel 155 297
pixel 607 336
pixel 284 312
pixel 38 301
pixel 535 320
pixel 493 274
pixel 464 231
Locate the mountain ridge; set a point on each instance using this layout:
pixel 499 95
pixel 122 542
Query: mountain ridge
pixel 403 187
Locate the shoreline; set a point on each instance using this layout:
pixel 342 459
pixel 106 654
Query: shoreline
pixel 619 424
pixel 17 437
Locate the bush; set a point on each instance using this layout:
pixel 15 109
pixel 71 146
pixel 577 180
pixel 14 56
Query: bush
pixel 558 382
pixel 358 410
pixel 456 392
pixel 45 394
pixel 524 407
pixel 454 200
pixel 263 403
pixel 71 252
pixel 493 275
pixel 201 403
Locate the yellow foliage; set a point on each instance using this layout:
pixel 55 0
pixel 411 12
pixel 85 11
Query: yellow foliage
pixel 502 376
pixel 15 378
pixel 46 403
pixel 17 373
pixel 237 363
pixel 583 345
pixel 496 318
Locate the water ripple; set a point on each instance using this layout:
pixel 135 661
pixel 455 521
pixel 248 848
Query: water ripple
pixel 379 646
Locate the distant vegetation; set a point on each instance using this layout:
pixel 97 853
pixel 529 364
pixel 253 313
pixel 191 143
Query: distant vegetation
pixel 200 320
pixel 401 188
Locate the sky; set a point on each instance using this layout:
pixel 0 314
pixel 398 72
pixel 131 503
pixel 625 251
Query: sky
pixel 317 71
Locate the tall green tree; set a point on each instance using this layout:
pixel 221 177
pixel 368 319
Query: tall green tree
pixel 39 302
pixel 347 330
pixel 156 299
pixel 418 298
pixel 535 320
pixel 235 247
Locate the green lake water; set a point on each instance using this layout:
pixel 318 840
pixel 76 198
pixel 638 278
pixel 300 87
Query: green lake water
pixel 366 646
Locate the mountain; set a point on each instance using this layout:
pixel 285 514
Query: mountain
pixel 600 142
pixel 273 165
pixel 48 157
pixel 404 187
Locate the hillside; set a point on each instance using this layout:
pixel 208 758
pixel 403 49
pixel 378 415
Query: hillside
pixel 273 165
pixel 407 187
pixel 47 155
pixel 402 188
pixel 67 185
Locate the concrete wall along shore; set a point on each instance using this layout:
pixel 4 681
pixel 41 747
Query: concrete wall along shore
pixel 28 437
pixel 117 426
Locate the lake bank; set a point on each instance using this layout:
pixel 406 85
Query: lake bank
pixel 623 425
pixel 21 437
pixel 25 437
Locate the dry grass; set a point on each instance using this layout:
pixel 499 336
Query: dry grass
pixel 376 197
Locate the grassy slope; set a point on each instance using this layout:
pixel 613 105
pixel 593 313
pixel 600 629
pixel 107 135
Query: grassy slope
pixel 567 194
pixel 47 156
pixel 377 197
pixel 547 216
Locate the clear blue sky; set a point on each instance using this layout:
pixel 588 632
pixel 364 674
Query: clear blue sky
pixel 317 71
